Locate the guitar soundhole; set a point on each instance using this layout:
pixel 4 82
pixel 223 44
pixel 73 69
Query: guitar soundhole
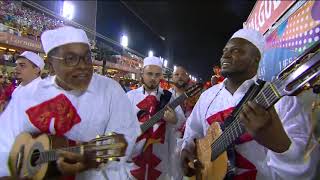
pixel 35 157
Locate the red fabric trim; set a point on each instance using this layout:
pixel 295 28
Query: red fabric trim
pixel 60 108
pixel 248 175
pixel 72 142
pixel 146 162
pixel 246 137
pixel 68 178
pixel 241 162
pixel 148 104
pixel 220 116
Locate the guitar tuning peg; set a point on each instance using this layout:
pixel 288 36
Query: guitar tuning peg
pixel 113 159
pixel 110 134
pixel 98 160
pixel 98 136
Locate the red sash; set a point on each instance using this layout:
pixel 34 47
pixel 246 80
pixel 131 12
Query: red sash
pixel 146 160
pixel 65 117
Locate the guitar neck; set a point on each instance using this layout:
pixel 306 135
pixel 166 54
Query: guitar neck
pixel 158 116
pixel 52 155
pixel 267 97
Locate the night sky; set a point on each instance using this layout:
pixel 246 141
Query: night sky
pixel 191 34
pixel 195 33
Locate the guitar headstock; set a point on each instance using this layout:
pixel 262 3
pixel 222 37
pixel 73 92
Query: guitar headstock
pixel 106 148
pixel 193 90
pixel 302 73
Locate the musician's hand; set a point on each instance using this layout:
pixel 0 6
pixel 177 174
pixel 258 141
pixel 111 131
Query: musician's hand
pixel 187 157
pixel 170 115
pixel 265 126
pixel 71 163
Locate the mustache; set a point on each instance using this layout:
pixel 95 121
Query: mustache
pixel 149 82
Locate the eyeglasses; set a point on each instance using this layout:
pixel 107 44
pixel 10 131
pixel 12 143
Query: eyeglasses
pixel 73 59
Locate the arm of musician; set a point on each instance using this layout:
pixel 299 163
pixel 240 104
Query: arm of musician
pixel 194 130
pixel 296 122
pixel 194 126
pixel 124 121
pixel 291 164
pixel 180 117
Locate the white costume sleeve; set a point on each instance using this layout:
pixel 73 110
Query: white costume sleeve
pixel 122 120
pixel 10 128
pixel 181 118
pixel 291 163
pixel 194 126
pixel 174 141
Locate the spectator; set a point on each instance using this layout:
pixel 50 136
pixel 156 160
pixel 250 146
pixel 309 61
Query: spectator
pixel 7 56
pixel 15 56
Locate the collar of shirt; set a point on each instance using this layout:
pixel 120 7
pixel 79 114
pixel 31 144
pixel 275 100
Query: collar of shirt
pixel 29 84
pixel 243 88
pixel 156 93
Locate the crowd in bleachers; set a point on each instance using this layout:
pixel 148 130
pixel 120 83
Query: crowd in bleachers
pixel 23 21
pixel 17 19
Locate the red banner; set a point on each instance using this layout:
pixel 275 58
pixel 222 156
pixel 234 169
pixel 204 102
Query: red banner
pixel 266 13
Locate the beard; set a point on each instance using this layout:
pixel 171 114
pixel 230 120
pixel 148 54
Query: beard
pixel 152 86
pixel 181 84
pixel 70 86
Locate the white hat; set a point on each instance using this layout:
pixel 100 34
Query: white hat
pixel 34 58
pixel 61 36
pixel 152 61
pixel 253 36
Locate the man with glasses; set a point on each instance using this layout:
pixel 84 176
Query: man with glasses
pixel 75 103
pixel 27 71
pixel 151 153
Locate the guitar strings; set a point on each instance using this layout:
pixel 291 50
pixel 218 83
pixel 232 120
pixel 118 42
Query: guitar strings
pixel 149 123
pixel 66 149
pixel 235 125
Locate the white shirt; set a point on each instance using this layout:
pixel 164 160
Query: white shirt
pixel 162 151
pixel 175 161
pixel 269 164
pixel 102 108
pixel 30 85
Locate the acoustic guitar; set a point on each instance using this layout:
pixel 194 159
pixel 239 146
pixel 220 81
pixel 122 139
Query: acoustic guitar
pixel 299 75
pixel 190 92
pixel 34 157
